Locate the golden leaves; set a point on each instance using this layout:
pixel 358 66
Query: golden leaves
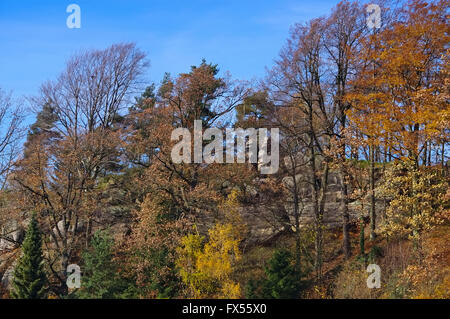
pixel 207 267
pixel 395 99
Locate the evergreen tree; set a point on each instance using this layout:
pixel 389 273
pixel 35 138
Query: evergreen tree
pixel 251 289
pixel 45 120
pixel 101 278
pixel 146 100
pixel 29 276
pixel 255 111
pixel 42 130
pixel 283 280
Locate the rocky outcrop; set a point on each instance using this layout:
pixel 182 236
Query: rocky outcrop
pixel 333 208
pixel 265 218
pixel 8 276
pixel 267 221
pixel 8 262
pixel 11 235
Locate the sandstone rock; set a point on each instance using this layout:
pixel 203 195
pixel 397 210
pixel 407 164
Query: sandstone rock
pixel 60 226
pixel 7 266
pixel 8 277
pixel 12 234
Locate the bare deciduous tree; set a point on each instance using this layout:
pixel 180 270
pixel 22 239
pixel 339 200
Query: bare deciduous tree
pixel 94 88
pixel 64 161
pixel 297 81
pixel 11 134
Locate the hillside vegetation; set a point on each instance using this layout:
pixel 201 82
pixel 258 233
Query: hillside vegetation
pixel 102 198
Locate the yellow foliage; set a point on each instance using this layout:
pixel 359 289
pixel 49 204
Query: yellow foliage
pixel 417 200
pixel 206 268
pixel 400 94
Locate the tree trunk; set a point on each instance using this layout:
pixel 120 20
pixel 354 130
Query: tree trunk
pixel 345 214
pixel 297 224
pixel 372 194
pixel 345 223
pixel 315 201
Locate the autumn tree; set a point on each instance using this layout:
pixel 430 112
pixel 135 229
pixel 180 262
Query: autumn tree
pixel 417 200
pixel 206 267
pixel 76 140
pixel 296 81
pixel 150 250
pixel 282 194
pixel 395 91
pixel 11 129
pixel 344 29
pixel 178 195
pixel 11 135
pixel 291 181
pixel 401 76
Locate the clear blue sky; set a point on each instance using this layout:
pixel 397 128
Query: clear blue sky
pixel 243 37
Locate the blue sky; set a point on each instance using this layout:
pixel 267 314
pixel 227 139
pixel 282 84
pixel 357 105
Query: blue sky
pixel 243 37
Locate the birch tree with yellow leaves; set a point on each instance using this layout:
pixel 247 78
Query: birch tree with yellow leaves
pixel 207 267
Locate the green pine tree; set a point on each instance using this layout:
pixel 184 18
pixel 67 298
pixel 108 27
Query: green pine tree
pixel 101 278
pixel 283 280
pixel 29 276
pixel 251 289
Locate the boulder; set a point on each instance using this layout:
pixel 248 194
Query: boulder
pixel 8 277
pixel 60 225
pixel 8 263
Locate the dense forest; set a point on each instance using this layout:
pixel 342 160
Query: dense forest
pixel 92 204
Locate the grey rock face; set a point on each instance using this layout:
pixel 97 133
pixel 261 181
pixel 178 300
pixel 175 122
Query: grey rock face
pixel 12 234
pixel 265 223
pixel 60 225
pixel 8 262
pixel 7 278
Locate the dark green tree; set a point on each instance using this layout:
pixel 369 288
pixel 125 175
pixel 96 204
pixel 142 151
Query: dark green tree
pixel 45 120
pixel 146 100
pixel 255 111
pixel 283 280
pixel 43 128
pixel 29 276
pixel 101 277
pixel 251 289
